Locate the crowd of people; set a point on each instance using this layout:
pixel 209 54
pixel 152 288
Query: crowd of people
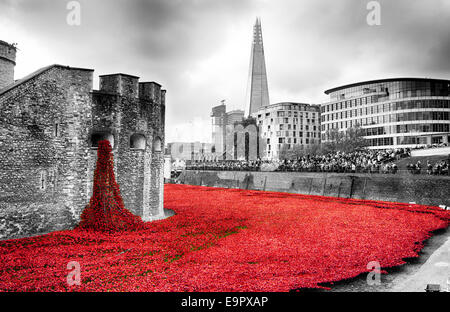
pixel 438 168
pixel 368 161
pixel 362 161
pixel 226 165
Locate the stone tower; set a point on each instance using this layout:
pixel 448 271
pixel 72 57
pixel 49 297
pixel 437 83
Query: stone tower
pixel 50 124
pixel 7 63
pixel 258 92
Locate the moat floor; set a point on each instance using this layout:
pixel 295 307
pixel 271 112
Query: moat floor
pixel 233 240
pixel 431 267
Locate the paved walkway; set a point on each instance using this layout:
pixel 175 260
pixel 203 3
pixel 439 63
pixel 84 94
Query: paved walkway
pixel 436 270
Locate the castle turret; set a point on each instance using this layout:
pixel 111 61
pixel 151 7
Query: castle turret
pixel 150 91
pixel 7 63
pixel 123 84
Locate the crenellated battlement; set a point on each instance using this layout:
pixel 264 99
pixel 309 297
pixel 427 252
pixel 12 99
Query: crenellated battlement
pixel 150 91
pixel 8 51
pixel 123 84
pixel 7 63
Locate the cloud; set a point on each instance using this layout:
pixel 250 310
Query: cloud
pixel 199 49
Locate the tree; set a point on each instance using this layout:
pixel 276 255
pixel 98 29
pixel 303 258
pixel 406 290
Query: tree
pixel 246 122
pixel 350 140
pixel 334 140
pixel 299 150
pixel 283 152
pixel 354 139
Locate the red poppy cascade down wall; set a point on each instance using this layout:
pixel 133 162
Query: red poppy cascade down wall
pixel 50 124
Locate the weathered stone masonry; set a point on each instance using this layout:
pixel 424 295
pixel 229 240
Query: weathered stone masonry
pixel 50 122
pixel 7 63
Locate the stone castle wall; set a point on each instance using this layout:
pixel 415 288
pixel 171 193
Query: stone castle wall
pixel 7 63
pixel 48 126
pixel 7 73
pixel 43 152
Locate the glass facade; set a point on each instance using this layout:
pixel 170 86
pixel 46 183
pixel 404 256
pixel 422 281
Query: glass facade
pixel 406 112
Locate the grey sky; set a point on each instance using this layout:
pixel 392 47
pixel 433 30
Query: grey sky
pixel 199 50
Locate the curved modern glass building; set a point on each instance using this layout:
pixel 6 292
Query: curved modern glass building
pixel 394 113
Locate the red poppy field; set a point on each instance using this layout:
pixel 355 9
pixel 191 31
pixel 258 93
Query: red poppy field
pixel 226 240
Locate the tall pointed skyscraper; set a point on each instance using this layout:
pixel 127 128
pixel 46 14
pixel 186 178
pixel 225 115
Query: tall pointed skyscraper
pixel 257 90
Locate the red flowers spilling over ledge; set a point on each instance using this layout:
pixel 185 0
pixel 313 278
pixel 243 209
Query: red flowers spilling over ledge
pixel 226 240
pixel 106 211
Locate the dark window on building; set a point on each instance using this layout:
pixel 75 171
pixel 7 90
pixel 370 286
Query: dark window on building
pixel 100 136
pixel 43 180
pixel 137 141
pixel 56 130
pixel 247 145
pixel 157 145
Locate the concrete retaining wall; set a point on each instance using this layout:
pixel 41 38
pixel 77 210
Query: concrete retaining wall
pixel 427 190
